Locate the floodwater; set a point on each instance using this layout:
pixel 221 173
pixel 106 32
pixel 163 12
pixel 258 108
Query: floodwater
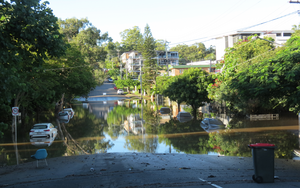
pixel 112 125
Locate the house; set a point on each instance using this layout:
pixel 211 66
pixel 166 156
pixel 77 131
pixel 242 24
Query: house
pixel 226 41
pixel 171 59
pixel 178 70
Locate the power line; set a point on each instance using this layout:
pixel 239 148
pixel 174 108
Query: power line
pixel 242 29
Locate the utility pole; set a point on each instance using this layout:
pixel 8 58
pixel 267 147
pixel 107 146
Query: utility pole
pixel 120 64
pixel 141 84
pixel 166 47
pixel 112 66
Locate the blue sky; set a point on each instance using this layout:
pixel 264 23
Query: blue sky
pixel 178 21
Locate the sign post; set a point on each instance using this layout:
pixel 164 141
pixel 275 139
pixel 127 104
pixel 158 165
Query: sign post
pixel 15 112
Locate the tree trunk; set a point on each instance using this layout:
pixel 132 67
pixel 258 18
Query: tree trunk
pixel 59 105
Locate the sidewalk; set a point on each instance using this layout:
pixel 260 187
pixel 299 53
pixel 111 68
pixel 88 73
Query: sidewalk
pixel 146 170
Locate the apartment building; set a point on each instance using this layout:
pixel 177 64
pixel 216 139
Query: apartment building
pixel 228 40
pixel 133 60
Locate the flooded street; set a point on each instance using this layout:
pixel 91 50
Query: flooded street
pixel 111 123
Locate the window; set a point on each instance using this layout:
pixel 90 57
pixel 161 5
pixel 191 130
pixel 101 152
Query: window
pixel 287 34
pixel 278 34
pixel 226 41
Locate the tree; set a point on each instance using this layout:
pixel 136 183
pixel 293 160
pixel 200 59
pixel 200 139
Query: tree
pixel 195 52
pixel 246 79
pixel 160 45
pixel 190 87
pixel 148 52
pixel 72 26
pixel 29 35
pixel 131 38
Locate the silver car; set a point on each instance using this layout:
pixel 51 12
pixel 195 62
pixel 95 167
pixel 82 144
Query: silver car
pixel 43 130
pixel 184 116
pixel 212 125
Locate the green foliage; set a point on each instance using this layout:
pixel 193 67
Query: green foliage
pixel 160 45
pixel 113 73
pixel 29 36
pixel 148 52
pixel 194 52
pixel 3 127
pixel 126 83
pixel 163 82
pixel 190 87
pixel 258 79
pixel 120 112
pixel 131 39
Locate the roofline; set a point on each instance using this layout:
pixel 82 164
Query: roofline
pixel 254 32
pixel 191 66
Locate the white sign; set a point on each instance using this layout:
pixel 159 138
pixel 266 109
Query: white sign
pixel 15 111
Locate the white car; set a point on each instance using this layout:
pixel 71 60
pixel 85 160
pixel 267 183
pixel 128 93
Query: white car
pixel 70 110
pixel 43 130
pixel 120 92
pixel 42 142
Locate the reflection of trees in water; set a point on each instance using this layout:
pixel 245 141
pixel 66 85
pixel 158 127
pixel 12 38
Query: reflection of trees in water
pixel 88 132
pixel 142 143
pixel 115 120
pixel 234 143
pixel 150 118
pixel 187 137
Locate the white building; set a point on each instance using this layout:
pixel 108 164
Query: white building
pixel 133 60
pixel 226 41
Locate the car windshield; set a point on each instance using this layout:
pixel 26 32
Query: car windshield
pixel 216 122
pixel 185 115
pixel 40 127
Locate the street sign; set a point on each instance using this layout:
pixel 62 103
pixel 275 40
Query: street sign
pixel 15 111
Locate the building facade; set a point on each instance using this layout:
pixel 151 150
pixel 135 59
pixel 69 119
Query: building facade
pixel 178 70
pixel 133 60
pixel 227 41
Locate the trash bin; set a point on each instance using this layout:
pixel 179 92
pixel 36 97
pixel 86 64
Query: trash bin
pixel 263 159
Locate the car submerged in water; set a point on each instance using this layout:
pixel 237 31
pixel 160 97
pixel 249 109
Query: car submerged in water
pixel 184 116
pixel 43 130
pixel 212 125
pixel 71 111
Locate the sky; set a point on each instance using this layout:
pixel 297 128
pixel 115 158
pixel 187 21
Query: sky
pixel 180 21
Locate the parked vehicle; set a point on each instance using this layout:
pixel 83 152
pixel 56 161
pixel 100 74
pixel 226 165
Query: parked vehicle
pixel 64 113
pixel 164 110
pixel 42 142
pixel 63 120
pixel 43 130
pixel 71 111
pixel 120 92
pixel 211 124
pixel 115 88
pixel 184 116
pixel 110 80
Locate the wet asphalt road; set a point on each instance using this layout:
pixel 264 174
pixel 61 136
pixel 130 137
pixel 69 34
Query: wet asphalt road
pixel 131 170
